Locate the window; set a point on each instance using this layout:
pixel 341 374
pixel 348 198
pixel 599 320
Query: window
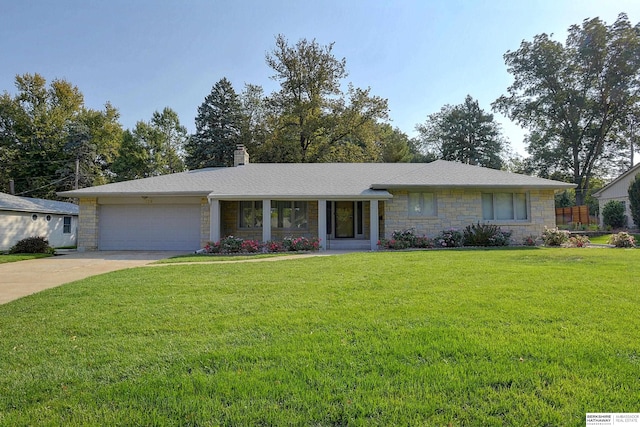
pixel 34 217
pixel 422 204
pixel 288 214
pixel 505 207
pixel 48 218
pixel 66 225
pixel 251 214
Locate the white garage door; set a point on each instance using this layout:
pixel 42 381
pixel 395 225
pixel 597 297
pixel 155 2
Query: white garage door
pixel 149 227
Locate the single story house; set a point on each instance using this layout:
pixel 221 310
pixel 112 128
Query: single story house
pixel 22 217
pixel 346 205
pixel 618 189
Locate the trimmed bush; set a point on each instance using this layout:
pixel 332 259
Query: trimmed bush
pixel 622 240
pixel 449 239
pixel 300 244
pixel 404 240
pixel 32 245
pixel 485 235
pixel 578 241
pixel 555 236
pixel 613 214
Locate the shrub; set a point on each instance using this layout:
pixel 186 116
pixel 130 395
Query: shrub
pixel 555 236
pixel 274 246
pixel 485 235
pixel 250 246
pixel 449 239
pixel 422 242
pixel 634 200
pixel 405 239
pixel 613 214
pixel 622 240
pixel 578 241
pixel 232 245
pixel 301 244
pixel 530 241
pixel 32 245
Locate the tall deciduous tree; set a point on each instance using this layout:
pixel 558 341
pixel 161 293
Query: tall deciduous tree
pixel 315 121
pixel 44 129
pixel 573 97
pixel 166 142
pixel 219 127
pixel 464 133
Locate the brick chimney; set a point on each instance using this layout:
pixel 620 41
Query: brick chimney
pixel 240 156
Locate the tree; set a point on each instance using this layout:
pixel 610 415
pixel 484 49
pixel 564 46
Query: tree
pixel 313 119
pixel 464 133
pixel 166 139
pixel 44 129
pixel 132 159
pixel 634 200
pixel 395 146
pixel 219 126
pixel 575 97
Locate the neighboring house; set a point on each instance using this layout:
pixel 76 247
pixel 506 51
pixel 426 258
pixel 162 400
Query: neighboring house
pixel 346 205
pixel 618 189
pixel 22 217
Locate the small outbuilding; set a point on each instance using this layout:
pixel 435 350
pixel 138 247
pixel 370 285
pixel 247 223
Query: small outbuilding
pixel 22 217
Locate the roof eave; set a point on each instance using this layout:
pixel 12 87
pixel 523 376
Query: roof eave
pixel 82 195
pixel 379 195
pixel 481 186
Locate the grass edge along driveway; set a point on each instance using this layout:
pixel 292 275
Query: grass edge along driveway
pixel 498 337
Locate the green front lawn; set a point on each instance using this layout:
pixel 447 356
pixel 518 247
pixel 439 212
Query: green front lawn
pixel 4 258
pixel 477 338
pixel 604 239
pixel 219 258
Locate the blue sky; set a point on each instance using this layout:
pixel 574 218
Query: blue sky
pixel 144 55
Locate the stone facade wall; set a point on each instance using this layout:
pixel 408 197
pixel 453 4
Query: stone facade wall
pixel 205 221
pixel 457 208
pixel 88 224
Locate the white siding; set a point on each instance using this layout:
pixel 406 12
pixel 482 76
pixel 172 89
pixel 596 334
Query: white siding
pixel 149 227
pixel 15 226
pixel 619 190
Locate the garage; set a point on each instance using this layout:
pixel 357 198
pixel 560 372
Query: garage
pixel 159 227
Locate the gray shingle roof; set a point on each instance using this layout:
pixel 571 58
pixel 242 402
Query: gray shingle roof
pixel 9 202
pixel 317 180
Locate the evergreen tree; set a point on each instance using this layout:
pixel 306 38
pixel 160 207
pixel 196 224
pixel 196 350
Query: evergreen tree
pixel 464 133
pixel 219 126
pixel 634 200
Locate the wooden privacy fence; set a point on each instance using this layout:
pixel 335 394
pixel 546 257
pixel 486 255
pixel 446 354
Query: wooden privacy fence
pixel 573 214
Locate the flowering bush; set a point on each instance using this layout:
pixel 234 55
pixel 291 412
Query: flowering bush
pixel 578 241
pixel 250 246
pixel 226 245
pixel 622 240
pixel 449 239
pixel 274 246
pixel 422 242
pixel 301 244
pixel 530 241
pixel 555 236
pixel 485 235
pixel 405 239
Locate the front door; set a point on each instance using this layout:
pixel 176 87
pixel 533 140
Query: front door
pixel 344 219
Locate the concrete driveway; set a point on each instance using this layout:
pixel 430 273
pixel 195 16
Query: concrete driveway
pixel 18 279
